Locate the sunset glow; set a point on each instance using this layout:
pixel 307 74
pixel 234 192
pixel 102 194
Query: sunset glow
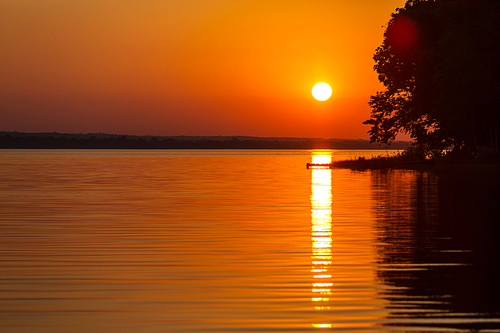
pixel 189 67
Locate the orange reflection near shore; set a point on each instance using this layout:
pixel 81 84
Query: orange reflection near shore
pixel 321 234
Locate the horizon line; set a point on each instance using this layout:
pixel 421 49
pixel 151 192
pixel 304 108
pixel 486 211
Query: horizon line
pixel 183 136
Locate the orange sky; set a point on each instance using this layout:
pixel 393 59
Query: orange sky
pixel 189 67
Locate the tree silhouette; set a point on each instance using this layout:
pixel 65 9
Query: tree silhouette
pixel 439 64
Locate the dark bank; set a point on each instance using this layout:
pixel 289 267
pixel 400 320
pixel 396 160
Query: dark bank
pixel 18 140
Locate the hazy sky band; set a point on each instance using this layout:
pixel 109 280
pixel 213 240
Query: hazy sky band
pixel 189 67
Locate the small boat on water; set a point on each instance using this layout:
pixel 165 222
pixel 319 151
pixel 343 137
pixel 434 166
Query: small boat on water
pixel 319 165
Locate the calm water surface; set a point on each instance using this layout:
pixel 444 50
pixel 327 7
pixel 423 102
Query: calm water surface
pixel 243 241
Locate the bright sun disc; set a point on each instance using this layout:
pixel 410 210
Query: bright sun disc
pixel 322 91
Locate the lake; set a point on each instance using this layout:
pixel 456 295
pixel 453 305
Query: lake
pixel 243 241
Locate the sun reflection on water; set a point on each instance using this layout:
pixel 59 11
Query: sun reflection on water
pixel 321 234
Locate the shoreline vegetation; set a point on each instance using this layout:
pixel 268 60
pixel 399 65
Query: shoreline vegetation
pixel 408 159
pixel 20 140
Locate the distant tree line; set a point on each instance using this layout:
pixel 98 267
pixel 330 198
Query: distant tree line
pixel 439 63
pixel 57 141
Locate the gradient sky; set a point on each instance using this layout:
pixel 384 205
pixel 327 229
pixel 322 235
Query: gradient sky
pixel 189 67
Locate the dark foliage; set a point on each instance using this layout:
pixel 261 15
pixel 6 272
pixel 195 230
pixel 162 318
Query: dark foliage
pixel 440 65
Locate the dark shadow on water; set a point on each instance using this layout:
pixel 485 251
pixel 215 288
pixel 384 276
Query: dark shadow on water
pixel 439 247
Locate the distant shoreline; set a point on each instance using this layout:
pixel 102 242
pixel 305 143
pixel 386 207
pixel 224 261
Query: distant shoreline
pixel 20 140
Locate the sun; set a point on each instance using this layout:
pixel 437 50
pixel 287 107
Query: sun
pixel 322 91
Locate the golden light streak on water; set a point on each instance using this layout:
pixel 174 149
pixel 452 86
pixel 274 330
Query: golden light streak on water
pixel 321 234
